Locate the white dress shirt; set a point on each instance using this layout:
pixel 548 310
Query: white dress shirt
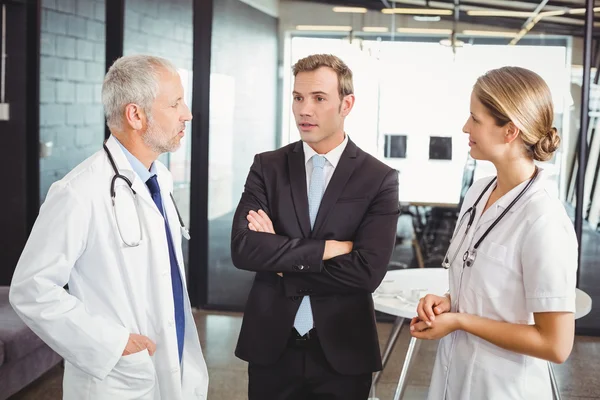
pixel 333 158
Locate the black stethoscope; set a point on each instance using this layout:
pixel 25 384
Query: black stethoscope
pixel 469 256
pixel 117 175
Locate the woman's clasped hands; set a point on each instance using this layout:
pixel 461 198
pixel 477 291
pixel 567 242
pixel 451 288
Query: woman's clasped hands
pixel 434 319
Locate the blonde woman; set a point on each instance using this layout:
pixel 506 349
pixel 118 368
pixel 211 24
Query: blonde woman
pixel 513 257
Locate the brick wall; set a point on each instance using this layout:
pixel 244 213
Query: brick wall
pixel 160 28
pixel 71 73
pixel 72 69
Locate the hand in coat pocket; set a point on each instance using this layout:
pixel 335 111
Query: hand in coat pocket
pixel 139 343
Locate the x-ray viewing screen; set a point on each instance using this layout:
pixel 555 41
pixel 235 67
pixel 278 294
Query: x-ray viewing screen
pixel 395 146
pixel 440 148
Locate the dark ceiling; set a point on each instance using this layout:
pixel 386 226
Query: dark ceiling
pixel 568 24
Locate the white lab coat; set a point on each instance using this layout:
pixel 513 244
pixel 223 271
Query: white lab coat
pixel 113 290
pixel 526 264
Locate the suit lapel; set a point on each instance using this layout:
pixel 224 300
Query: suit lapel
pixel 297 171
pixel 341 175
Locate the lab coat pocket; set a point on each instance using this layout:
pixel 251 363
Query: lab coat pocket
pixel 135 358
pixel 490 276
pixel 133 377
pixel 498 373
pixel 495 251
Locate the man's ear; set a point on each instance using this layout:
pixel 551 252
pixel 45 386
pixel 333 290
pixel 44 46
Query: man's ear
pixel 134 116
pixel 347 104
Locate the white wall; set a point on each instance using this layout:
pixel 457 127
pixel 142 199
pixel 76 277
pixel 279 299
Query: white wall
pixel 270 7
pixel 293 13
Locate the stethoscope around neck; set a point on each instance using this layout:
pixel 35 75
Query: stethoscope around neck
pixel 134 243
pixel 470 255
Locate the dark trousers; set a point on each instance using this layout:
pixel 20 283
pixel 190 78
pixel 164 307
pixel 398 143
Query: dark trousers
pixel 303 373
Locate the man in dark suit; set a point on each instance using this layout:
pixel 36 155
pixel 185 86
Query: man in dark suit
pixel 317 222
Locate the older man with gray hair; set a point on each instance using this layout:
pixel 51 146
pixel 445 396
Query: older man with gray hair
pixel 110 230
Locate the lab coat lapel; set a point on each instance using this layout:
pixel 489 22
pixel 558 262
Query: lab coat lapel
pixel 483 219
pixel 125 169
pixel 142 262
pixel 165 182
pixel 496 209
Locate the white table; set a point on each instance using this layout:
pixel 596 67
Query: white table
pixel 583 304
pixel 399 294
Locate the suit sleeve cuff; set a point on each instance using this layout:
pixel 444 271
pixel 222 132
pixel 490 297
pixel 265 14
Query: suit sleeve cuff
pixel 311 260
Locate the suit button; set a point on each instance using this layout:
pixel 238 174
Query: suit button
pixel 296 267
pixel 295 298
pixel 301 267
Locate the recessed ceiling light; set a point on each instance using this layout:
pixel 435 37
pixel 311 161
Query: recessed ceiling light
pixel 416 11
pixel 338 28
pixel 427 18
pixel 426 31
pixel 354 10
pixel 375 29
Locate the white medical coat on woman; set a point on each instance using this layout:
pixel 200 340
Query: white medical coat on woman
pixel 527 264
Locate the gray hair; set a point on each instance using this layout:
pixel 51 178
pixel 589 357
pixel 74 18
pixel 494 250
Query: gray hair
pixel 132 79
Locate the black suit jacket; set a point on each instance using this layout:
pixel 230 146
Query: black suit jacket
pixel 360 204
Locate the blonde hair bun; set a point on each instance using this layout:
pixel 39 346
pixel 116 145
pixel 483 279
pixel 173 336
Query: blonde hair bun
pixel 546 146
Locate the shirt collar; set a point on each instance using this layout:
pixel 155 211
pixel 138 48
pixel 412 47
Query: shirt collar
pixel 137 165
pixel 542 182
pixel 333 156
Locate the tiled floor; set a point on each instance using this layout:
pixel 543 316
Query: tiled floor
pixel 578 378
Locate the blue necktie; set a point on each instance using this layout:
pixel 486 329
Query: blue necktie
pixel 304 318
pixel 176 282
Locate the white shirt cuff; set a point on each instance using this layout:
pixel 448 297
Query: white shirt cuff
pixel 551 304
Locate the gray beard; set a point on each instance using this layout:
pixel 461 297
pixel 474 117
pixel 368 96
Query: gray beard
pixel 154 139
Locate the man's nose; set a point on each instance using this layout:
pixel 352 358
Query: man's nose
pixel 187 115
pixel 306 109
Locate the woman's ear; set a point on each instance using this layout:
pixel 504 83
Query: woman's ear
pixel 512 132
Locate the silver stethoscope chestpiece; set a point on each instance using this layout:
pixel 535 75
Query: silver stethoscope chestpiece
pixel 469 257
pixel 445 263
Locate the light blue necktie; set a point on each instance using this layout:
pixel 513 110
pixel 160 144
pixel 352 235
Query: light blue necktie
pixel 304 318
